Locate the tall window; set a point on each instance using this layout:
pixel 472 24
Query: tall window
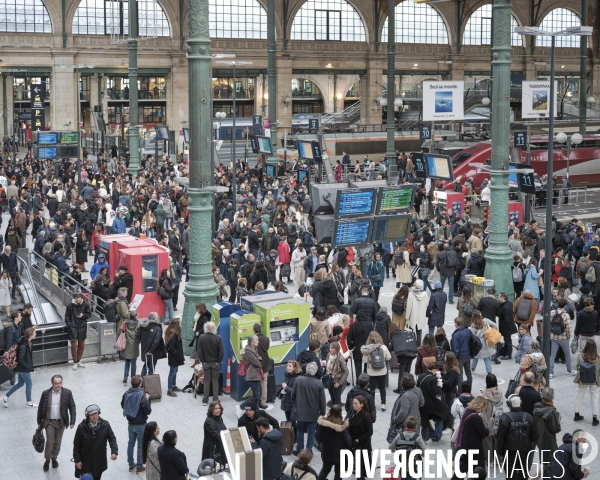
pixel 103 17
pixel 417 23
pixel 237 19
pixel 557 20
pixel 333 20
pixel 478 30
pixel 24 16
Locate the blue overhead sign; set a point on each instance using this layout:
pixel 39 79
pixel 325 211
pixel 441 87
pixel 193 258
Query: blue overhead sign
pixel 47 152
pixel 47 138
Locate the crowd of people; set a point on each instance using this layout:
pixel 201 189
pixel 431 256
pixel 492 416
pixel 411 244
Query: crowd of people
pixel 264 239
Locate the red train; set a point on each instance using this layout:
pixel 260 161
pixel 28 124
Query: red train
pixel 584 161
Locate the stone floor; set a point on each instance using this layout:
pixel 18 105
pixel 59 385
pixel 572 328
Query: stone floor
pixel 102 384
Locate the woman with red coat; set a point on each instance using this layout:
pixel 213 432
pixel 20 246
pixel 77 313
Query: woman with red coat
pixel 283 255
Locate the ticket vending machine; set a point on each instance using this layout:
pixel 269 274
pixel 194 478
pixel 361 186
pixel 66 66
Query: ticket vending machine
pixel 240 323
pixel 452 202
pixel 145 264
pixel 249 301
pixel 110 245
pixel 221 316
pixel 286 323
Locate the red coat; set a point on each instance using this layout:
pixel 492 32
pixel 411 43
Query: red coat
pixel 283 250
pixel 557 263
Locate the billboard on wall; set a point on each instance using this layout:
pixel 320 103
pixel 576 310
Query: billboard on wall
pixel 534 101
pixel 443 101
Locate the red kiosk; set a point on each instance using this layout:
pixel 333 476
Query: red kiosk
pixel 110 245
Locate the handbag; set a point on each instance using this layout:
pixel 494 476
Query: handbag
pixel 513 384
pixel 38 440
pixel 340 297
pixel 376 277
pixel 327 381
pixel 574 344
pixel 122 340
pixel 242 368
pixel 492 336
pixel 469 309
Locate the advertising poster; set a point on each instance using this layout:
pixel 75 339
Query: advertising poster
pixel 443 101
pixel 534 102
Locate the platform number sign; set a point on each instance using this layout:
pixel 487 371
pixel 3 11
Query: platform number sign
pixel 425 132
pixel 419 162
pixel 257 120
pixel 520 140
pixel 526 183
pixel 313 125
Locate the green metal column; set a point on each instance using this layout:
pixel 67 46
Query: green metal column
pixel 583 73
pixel 134 133
pixel 390 151
pixel 64 23
pixel 200 288
pixel 4 107
pixel 498 255
pixel 272 78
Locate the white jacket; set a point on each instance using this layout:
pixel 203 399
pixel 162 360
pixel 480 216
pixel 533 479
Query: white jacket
pixel 416 308
pixel 298 258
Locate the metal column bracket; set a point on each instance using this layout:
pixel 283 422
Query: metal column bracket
pixel 286 21
pixel 378 17
pixel 461 6
pixel 535 17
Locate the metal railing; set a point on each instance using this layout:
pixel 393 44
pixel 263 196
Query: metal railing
pixel 574 195
pixel 30 295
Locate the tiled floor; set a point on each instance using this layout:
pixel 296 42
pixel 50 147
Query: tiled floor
pixel 102 384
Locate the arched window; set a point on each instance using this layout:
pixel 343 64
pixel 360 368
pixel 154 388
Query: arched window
pixel 478 30
pixel 24 16
pixel 105 17
pixel 557 20
pixel 237 19
pixel 417 23
pixel 333 20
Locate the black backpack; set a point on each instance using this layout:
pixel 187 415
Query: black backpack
pixel 451 259
pixel 587 372
pixel 557 325
pixel 399 259
pixel 409 446
pixel 475 345
pixel 518 430
pixel 110 311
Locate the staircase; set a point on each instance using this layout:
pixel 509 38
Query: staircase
pixel 344 118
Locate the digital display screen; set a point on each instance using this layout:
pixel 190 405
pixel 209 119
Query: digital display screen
pixel 271 170
pixel 512 178
pixel 391 229
pixel 186 135
pixel 439 166
pixel 355 202
pixel 68 151
pixel 47 152
pixel 305 150
pixel 276 336
pixel 395 200
pixel 163 132
pixel 351 232
pixel 264 144
pixel 302 175
pixel 49 138
pixel 70 137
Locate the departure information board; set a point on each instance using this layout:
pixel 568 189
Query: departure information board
pixel 395 199
pixel 391 229
pixel 439 167
pixel 69 137
pixel 47 152
pixel 355 232
pixel 355 202
pixel 264 144
pixel 48 138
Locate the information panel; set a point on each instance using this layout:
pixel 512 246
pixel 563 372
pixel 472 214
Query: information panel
pixel 47 152
pixel 48 138
pixel 391 229
pixel 264 144
pixel 439 166
pixel 395 199
pixel 355 202
pixel 68 137
pixel 305 150
pixel 353 232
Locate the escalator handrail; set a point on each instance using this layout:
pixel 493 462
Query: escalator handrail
pixel 36 299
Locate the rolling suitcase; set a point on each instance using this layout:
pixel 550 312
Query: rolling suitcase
pixel 289 437
pixel 394 362
pixel 346 310
pixel 151 385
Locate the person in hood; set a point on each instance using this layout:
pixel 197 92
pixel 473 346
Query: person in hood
pixel 136 408
pixel 332 434
pixel 566 463
pixel 95 270
pixel 77 314
pixel 458 408
pixel 416 309
pixel 494 397
pixel 436 309
pixel 270 441
pixel 123 279
pixel 150 340
pixel 547 424
pixel 301 467
pixel 271 266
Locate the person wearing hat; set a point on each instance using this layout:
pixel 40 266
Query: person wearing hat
pixel 271 266
pixel 90 444
pixel 123 279
pixel 76 316
pixel 511 443
pixel 98 265
pixel 249 418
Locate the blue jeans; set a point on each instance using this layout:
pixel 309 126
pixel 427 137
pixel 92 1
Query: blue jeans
pixel 168 310
pixel 24 379
pixel 136 433
pixel 450 286
pixel 151 366
pixel 554 344
pixel 149 232
pixel 486 360
pixel 255 399
pixel 169 221
pixel 303 427
pixel 108 229
pixel 172 380
pixel 130 365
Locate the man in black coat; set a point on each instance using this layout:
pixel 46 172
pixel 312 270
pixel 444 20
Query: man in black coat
pixel 77 314
pixel 263 352
pixel 9 263
pixel 528 394
pixel 446 263
pixel 56 410
pixel 89 446
pixel 515 450
pixel 311 355
pixel 489 306
pixel 358 334
pixel 362 389
pixel 123 279
pixel 249 418
pixel 210 353
pixel 506 326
